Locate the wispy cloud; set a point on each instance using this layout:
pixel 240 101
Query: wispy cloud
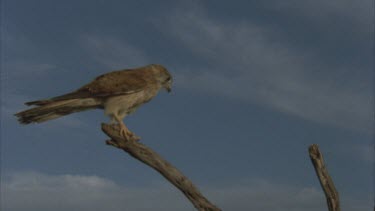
pixel 21 69
pixel 112 52
pixel 77 192
pixel 245 61
pixel 17 62
pixel 41 192
pixel 108 51
pixel 365 152
pixel 17 70
pixel 360 13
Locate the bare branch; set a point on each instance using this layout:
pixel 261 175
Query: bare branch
pixel 326 182
pixel 152 159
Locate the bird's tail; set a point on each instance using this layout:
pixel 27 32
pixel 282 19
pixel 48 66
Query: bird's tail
pixel 48 110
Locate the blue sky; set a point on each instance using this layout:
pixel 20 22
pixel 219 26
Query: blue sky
pixel 255 84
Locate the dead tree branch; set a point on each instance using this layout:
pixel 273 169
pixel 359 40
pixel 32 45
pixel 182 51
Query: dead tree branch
pixel 152 159
pixel 326 182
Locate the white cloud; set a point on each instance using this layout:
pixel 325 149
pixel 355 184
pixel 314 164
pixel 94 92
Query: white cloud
pixel 112 52
pixel 76 192
pixel 42 192
pixel 248 63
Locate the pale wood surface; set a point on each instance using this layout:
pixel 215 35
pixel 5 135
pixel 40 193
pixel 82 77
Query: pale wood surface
pixel 146 155
pixel 325 180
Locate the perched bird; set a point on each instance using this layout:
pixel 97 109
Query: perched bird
pixel 119 93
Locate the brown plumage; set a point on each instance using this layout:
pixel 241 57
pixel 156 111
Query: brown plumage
pixel 119 93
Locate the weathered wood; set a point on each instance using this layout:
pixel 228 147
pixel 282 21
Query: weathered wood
pixel 152 159
pixel 325 180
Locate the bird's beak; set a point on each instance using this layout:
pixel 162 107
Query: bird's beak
pixel 168 87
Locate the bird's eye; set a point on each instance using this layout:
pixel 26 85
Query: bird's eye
pixel 168 79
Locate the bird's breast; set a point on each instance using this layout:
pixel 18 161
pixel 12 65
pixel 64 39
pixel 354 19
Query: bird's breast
pixel 125 104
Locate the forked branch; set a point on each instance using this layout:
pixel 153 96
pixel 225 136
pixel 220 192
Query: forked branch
pixel 326 182
pixel 152 159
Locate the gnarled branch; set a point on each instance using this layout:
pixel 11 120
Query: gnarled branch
pixel 152 159
pixel 326 182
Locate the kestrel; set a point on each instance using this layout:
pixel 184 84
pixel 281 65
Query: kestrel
pixel 119 93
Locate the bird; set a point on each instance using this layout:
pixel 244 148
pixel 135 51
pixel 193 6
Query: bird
pixel 119 93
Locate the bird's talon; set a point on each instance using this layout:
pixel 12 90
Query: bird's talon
pixel 123 133
pixel 133 136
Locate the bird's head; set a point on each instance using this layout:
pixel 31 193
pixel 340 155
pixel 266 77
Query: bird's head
pixel 163 76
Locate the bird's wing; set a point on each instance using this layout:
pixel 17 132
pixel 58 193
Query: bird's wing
pixel 117 83
pixel 121 82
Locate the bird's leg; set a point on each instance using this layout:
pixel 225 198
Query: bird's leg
pixel 113 120
pixel 124 131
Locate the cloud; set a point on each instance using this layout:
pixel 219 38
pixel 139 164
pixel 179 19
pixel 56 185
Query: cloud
pixel 252 63
pixel 19 70
pixel 262 195
pixel 76 192
pixel 112 52
pixel 365 152
pixel 41 192
pixel 19 67
pixel 360 13
pixel 12 100
pixel 17 62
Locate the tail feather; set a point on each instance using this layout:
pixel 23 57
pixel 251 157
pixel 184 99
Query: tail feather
pixel 38 102
pixel 55 109
pixel 79 94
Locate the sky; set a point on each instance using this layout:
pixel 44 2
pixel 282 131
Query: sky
pixel 255 83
